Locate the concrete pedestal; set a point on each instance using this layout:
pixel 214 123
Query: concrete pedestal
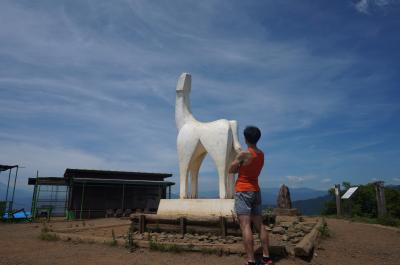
pixel 196 207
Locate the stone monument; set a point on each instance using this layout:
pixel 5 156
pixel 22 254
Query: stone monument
pixel 283 200
pixel 284 203
pixel 195 140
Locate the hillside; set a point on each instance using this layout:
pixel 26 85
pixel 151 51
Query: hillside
pixel 311 206
pixel 269 195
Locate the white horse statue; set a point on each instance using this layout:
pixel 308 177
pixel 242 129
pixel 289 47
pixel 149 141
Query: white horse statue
pixel 195 139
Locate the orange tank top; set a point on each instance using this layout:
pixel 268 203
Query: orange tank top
pixel 248 174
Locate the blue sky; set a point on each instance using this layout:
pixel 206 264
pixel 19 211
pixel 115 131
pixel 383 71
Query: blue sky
pixel 91 84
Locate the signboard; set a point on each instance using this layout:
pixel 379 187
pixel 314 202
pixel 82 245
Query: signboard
pixel 349 192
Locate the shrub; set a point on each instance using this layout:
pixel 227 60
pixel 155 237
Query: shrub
pixel 388 220
pixel 113 241
pixel 324 229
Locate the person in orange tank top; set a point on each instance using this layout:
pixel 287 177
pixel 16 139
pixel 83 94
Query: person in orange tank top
pixel 248 164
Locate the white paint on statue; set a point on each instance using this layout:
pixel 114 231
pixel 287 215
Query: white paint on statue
pixel 196 139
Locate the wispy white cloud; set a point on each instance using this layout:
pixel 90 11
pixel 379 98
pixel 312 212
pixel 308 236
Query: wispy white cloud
pixel 52 160
pixel 326 180
pixel 362 6
pixel 299 180
pixel 295 179
pixel 365 6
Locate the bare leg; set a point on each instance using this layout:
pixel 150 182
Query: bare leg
pixel 247 234
pixel 257 221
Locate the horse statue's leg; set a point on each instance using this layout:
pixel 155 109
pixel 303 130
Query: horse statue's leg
pixel 186 145
pixel 195 165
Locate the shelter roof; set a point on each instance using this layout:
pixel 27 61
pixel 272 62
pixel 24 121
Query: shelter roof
pixel 109 174
pixel 6 167
pixel 57 181
pixel 124 181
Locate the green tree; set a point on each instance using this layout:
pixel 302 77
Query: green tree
pixel 363 202
pixel 392 197
pixel 330 205
pixel 346 185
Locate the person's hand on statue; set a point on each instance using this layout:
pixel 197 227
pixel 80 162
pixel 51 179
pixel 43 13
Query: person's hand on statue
pixel 242 158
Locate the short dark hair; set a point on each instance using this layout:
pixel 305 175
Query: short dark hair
pixel 252 134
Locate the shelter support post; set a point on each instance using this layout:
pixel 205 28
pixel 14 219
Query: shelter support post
pixel 15 183
pixel 82 198
pixel 33 206
pixel 67 215
pixel 34 195
pixel 8 185
pixel 10 208
pixel 123 197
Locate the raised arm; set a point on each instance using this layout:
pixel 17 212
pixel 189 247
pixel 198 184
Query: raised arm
pixel 243 157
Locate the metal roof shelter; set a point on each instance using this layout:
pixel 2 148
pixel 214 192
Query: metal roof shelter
pixel 49 196
pixel 92 193
pixel 7 202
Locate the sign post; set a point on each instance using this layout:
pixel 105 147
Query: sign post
pixel 338 202
pixel 347 195
pixel 380 198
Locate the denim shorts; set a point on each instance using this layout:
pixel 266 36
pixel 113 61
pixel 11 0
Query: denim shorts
pixel 248 203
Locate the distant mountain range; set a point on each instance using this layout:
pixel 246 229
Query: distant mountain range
pixel 311 206
pixel 269 195
pixel 23 198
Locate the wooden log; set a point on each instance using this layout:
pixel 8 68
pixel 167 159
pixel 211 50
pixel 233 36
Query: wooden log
pixel 182 225
pixel 175 217
pixel 191 229
pixel 142 223
pixel 237 248
pixel 223 226
pixel 79 229
pixel 174 220
pixel 306 245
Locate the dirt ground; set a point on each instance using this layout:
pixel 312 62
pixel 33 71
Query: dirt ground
pixel 357 243
pixel 350 244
